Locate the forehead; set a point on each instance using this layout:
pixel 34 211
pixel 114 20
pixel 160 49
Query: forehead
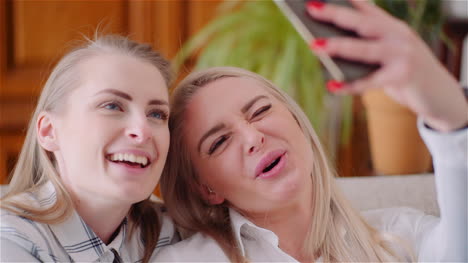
pixel 226 93
pixel 123 72
pixel 221 101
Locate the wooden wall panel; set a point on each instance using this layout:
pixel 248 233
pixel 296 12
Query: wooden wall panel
pixel 43 28
pixel 3 54
pixel 168 24
pixel 15 114
pixel 40 32
pixel 10 146
pixel 3 61
pixel 161 23
pixel 199 13
pixel 23 82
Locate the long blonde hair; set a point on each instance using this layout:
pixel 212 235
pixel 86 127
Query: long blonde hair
pixel 36 166
pixel 338 233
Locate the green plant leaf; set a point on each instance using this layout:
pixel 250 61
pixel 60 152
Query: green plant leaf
pixel 217 51
pixel 220 24
pixel 283 72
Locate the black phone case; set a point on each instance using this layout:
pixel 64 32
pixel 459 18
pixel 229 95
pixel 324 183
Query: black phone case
pixel 336 68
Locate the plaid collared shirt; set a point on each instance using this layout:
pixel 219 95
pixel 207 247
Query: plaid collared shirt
pixel 24 240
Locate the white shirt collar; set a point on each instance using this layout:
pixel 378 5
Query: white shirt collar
pixel 245 229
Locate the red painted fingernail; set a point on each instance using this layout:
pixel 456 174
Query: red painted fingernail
pixel 334 85
pixel 315 5
pixel 318 44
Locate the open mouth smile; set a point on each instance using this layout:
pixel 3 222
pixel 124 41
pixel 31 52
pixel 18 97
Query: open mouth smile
pixel 271 164
pixel 129 159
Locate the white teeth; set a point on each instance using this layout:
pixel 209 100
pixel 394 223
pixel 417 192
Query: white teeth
pixel 116 157
pixel 142 160
pixel 129 157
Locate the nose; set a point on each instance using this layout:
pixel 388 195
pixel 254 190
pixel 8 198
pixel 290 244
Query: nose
pixel 138 130
pixel 253 139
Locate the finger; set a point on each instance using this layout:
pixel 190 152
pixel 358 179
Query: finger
pixel 378 79
pixel 387 22
pixel 367 51
pixel 364 6
pixel 346 18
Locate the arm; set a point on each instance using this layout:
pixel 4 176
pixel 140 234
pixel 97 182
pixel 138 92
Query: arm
pixel 448 240
pixel 413 77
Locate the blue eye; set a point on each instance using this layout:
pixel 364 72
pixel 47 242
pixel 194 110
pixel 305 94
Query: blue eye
pixel 113 106
pixel 158 114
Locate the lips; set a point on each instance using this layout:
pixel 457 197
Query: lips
pixel 271 164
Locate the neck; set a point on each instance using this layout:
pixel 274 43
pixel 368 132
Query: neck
pixel 104 217
pixel 291 224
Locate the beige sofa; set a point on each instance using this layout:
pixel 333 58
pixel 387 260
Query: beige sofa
pixel 417 191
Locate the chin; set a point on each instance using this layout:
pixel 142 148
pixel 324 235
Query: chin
pixel 134 194
pixel 292 187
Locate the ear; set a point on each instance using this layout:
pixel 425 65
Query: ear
pixel 45 130
pixel 209 195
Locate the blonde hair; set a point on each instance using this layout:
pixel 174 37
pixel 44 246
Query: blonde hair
pixel 36 166
pixel 338 232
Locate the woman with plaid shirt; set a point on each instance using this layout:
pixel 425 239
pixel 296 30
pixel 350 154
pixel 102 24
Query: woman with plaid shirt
pixel 94 152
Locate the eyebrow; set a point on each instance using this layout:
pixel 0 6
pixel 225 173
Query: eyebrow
pixel 158 102
pixel 128 97
pixel 221 126
pixel 117 93
pixel 252 102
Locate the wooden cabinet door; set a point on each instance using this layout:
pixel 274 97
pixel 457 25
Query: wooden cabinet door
pixel 34 35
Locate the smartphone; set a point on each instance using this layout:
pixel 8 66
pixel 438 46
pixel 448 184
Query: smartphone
pixel 336 68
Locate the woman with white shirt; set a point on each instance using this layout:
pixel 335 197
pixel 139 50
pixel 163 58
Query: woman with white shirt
pixel 246 172
pixel 93 154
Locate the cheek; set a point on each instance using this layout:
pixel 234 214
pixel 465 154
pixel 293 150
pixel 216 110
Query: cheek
pixel 87 135
pixel 223 172
pixel 208 172
pixel 299 141
pixel 294 131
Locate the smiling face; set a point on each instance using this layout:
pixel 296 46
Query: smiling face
pixel 246 146
pixel 112 134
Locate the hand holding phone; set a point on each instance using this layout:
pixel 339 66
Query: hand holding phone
pixel 336 68
pixel 408 72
